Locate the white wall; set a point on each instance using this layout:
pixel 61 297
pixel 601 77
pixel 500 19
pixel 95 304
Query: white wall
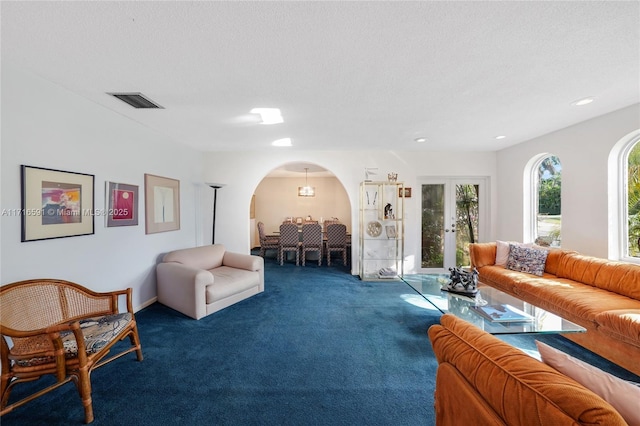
pixel 583 150
pixel 243 171
pixel 46 126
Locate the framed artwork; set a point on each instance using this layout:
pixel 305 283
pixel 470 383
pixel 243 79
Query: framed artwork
pixel 56 204
pixel 391 231
pixel 162 204
pixel 122 204
pixel 404 192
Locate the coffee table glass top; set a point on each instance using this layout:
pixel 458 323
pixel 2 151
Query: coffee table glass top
pixel 429 286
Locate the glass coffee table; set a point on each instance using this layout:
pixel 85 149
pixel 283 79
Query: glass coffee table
pixel 538 320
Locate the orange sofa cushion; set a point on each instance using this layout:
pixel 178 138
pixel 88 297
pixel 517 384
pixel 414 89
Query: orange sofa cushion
pixel 623 324
pixel 554 258
pixel 518 388
pixel 572 300
pixel 618 277
pixel 483 254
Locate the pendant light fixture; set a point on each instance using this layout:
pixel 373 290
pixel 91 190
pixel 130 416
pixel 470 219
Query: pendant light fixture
pixel 306 190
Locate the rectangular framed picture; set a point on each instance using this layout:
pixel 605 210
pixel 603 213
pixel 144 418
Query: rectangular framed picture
pixel 56 203
pixel 161 203
pixel 391 231
pixel 404 192
pixel 122 204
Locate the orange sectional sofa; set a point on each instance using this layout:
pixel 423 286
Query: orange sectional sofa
pixel 482 380
pixel 602 296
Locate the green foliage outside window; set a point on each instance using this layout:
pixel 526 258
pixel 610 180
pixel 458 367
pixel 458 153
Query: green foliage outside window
pixel 549 218
pixel 633 200
pixel 467 197
pixel 549 196
pixel 432 226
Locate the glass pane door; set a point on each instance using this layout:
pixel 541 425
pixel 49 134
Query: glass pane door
pixel 467 220
pixel 451 211
pixel 433 226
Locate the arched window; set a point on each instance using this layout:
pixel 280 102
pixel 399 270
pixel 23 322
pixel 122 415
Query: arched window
pixel 627 197
pixel 546 203
pixel 633 200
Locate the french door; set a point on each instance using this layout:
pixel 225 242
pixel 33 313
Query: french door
pixel 453 215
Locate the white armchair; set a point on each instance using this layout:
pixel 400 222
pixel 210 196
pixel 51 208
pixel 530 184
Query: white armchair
pixel 202 280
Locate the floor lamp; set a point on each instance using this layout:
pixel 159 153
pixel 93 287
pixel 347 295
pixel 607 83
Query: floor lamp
pixel 215 187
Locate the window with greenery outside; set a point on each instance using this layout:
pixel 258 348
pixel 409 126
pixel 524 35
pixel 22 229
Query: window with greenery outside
pixel 633 200
pixel 549 217
pixel 432 226
pixel 467 197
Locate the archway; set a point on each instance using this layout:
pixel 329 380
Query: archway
pixel 276 198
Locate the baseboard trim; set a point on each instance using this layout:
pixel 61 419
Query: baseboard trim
pixel 147 303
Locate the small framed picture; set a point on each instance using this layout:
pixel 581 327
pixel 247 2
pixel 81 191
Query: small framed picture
pixel 162 204
pixel 391 231
pixel 56 203
pixel 122 204
pixel 404 192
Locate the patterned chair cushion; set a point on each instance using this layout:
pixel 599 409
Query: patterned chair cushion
pixel 337 235
pixel 289 241
pixel 337 241
pixel 311 241
pixel 289 235
pixel 267 240
pixel 311 235
pixel 97 332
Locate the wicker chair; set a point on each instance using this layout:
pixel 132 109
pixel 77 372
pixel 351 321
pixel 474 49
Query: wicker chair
pixel 337 241
pixel 60 328
pixel 311 241
pixel 289 241
pixel 267 242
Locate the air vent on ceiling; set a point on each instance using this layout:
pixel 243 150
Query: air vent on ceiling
pixel 136 100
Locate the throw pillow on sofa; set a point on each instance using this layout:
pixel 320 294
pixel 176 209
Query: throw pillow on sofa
pixel 502 251
pixel 526 259
pixel 622 395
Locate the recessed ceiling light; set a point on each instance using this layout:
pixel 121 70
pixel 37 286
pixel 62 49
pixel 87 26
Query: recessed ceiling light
pixel 420 140
pixel 269 115
pixel 282 142
pixel 583 101
pixel 500 137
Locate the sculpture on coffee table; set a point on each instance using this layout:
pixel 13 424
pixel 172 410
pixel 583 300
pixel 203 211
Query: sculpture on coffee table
pixel 463 282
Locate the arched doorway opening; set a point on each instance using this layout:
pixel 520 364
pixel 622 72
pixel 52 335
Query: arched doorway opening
pixel 277 198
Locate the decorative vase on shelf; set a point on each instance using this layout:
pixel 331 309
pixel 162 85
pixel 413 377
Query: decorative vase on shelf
pixel 393 177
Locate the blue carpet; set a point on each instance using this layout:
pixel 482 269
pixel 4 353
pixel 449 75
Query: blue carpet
pixel 318 347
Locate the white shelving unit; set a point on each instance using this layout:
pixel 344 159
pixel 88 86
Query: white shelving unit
pixel 381 240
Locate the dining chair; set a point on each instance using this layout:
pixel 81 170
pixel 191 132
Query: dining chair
pixel 328 222
pixel 337 241
pixel 289 241
pixel 325 225
pixel 311 241
pixel 267 242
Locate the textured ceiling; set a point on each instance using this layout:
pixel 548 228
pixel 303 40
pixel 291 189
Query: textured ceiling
pixel 346 75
